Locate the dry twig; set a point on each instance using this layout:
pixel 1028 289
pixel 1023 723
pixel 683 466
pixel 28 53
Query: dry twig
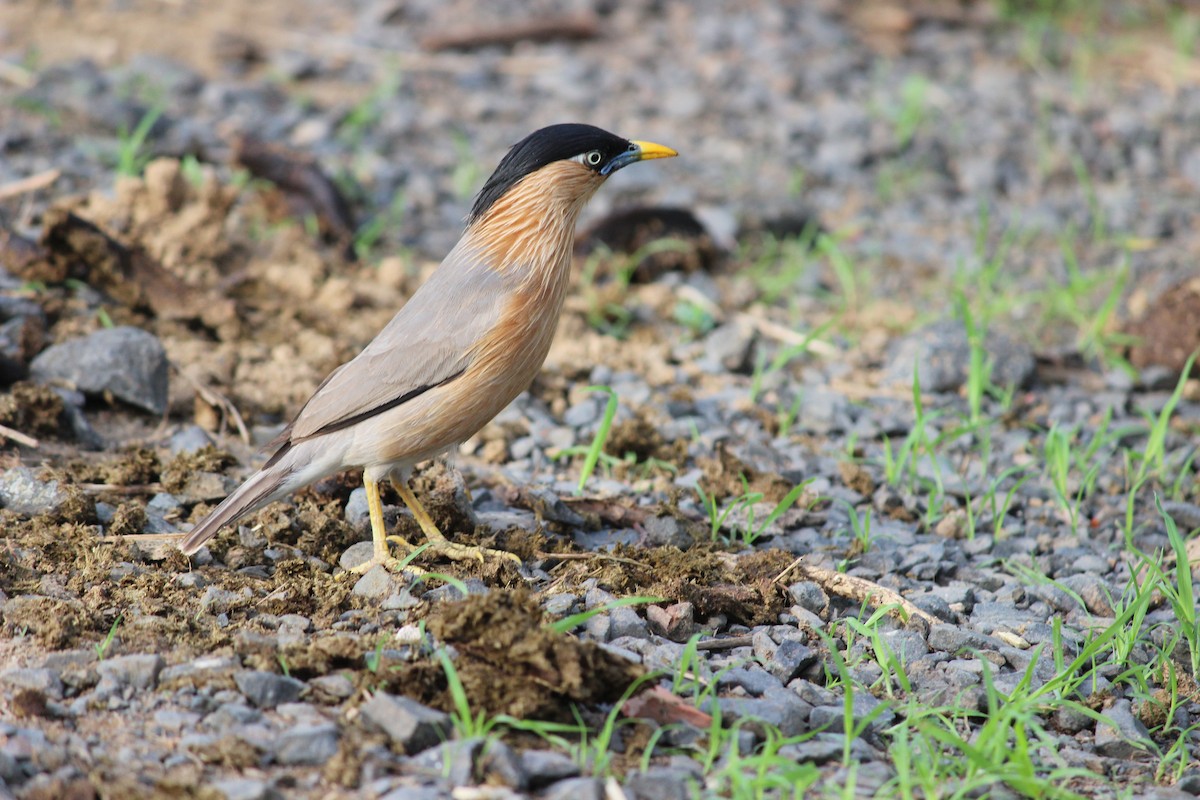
pixel 121 489
pixel 18 437
pixel 725 644
pixel 222 403
pixel 29 184
pixel 569 28
pixel 859 590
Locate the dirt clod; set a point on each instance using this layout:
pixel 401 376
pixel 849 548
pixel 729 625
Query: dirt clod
pixel 54 622
pixel 511 663
pixel 33 410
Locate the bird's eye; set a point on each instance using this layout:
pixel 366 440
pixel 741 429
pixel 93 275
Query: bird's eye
pixel 593 158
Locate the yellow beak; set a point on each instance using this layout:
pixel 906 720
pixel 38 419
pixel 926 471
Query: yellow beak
pixel 649 150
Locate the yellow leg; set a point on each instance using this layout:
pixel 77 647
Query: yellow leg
pixel 418 511
pixel 379 537
pixel 437 541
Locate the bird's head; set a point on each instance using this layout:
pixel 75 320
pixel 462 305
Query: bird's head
pixel 565 162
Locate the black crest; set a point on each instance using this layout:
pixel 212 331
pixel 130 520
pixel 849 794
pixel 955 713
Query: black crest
pixel 542 147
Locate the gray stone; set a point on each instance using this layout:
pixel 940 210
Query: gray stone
pixel 242 789
pixel 161 509
pixel 171 721
pixel 307 744
pixel 1084 759
pixel 813 694
pixel 1189 782
pixel 597 597
pixel 1189 167
pixel 823 411
pixel 191 580
pixel 952 639
pixel 987 617
pixel 833 717
pixel 139 671
pixel 503 519
pixel 727 347
pixel 870 777
pixel 544 767
pixel 216 600
pixel 624 621
pixel 943 352
pixel 200 671
pixel 450 593
pixel 1186 515
pixel 375 583
pixel 10 770
pixel 499 765
pixel 410 726
pixel 38 679
pixel 582 413
pixel 809 596
pixel 76 668
pixel 553 509
pixel 358 514
pixel 1091 563
pixel 778 708
pixel 399 600
pixel 205 486
pixel 296 622
pixel 755 681
pixel 1055 597
pixel 820 749
pixel 336 685
pixel 128 363
pixel 1020 659
pixel 452 761
pixel 790 659
pixel 295 65
pixel 416 793
pixel 267 689
pixel 232 714
pixel 667 531
pixel 906 645
pixel 189 440
pixel 599 628
pixel 1121 734
pixel 355 554
pixel 939 683
pixel 575 789
pixel 605 539
pixel 1093 590
pixel 663 783
pixel 559 604
pixel 22 492
pixel 1068 720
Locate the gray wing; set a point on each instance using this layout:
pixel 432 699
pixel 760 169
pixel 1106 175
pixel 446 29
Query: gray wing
pixel 426 344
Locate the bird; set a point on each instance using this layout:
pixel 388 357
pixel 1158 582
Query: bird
pixel 467 342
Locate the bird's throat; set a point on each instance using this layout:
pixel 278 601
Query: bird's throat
pixel 527 235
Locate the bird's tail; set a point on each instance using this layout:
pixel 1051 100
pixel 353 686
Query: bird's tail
pixel 258 490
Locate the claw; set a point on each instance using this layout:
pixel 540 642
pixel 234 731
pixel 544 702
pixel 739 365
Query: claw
pixel 435 540
pixel 394 565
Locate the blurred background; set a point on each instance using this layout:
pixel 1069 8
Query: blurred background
pixel 966 140
pixel 928 260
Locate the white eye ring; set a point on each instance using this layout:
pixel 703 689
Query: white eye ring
pixel 593 158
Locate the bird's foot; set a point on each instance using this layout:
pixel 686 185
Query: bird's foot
pixel 465 552
pixel 457 552
pixel 388 562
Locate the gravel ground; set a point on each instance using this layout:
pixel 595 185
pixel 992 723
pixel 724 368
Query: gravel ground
pixel 858 587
